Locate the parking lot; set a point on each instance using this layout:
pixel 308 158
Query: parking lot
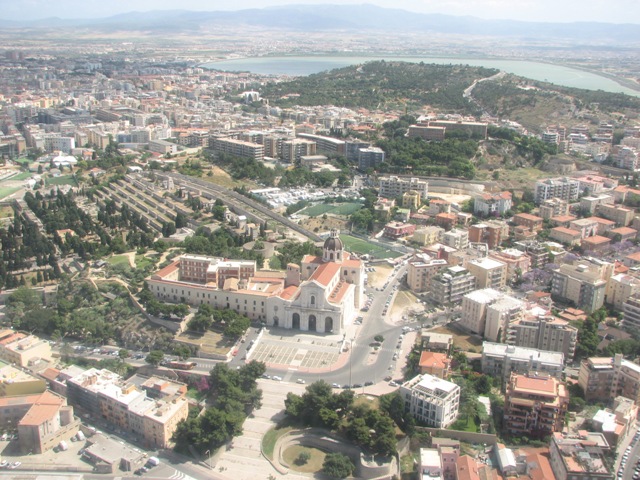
pixel 283 347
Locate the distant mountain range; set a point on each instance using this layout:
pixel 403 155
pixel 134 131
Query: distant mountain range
pixel 318 18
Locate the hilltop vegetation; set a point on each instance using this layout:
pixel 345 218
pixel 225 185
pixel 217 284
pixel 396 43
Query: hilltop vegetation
pixel 536 104
pixel 382 85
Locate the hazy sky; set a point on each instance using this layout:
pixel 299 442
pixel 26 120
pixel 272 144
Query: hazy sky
pixel 613 11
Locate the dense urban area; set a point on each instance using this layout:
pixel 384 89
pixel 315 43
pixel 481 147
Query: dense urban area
pixel 387 270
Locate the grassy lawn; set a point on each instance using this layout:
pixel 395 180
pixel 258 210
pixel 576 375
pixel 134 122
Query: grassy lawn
pixel 468 426
pixel 269 439
pixel 143 262
pixel 357 245
pixel 195 394
pixel 61 180
pixel 316 210
pixel 118 260
pixel 22 176
pixel 346 208
pixel 6 191
pixel 313 465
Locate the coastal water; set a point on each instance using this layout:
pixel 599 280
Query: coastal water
pixel 306 65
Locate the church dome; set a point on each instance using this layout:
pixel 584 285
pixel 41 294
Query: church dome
pixel 333 243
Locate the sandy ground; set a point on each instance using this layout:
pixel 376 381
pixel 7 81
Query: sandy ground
pixel 466 342
pixel 378 278
pixel 450 197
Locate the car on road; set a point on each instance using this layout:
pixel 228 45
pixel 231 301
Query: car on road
pixel 300 381
pixel 357 385
pixel 276 378
pixel 393 384
pixel 3 464
pixel 335 385
pixel 15 464
pixel 346 386
pixel 264 375
pixel 366 384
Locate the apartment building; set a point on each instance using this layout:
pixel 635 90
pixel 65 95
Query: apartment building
pixel 493 233
pixel 581 456
pixel 500 360
pixel 621 215
pixel 591 203
pixel 474 129
pixel 543 333
pixel 163 147
pixel 583 283
pixel 596 377
pixel 488 312
pixel 238 148
pixel 431 400
pixel 553 207
pixel 397 230
pixel 537 252
pixel 489 273
pixel 394 187
pixel 620 288
pixel 293 150
pixel 565 189
pixel 631 309
pixel 325 145
pixel 492 204
pixel 566 236
pixel 535 405
pixel 421 269
pixel 428 133
pixel 586 226
pixel 517 261
pixel 411 200
pixel 104 394
pixel 23 350
pixel 428 235
pixel 15 382
pixel 456 238
pixel 370 157
pixel 532 222
pixel 450 285
pixel 605 378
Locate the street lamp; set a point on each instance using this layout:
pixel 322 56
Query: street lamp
pixel 209 452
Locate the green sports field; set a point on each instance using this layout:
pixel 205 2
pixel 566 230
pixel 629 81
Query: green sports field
pixel 357 245
pixel 62 180
pixel 334 208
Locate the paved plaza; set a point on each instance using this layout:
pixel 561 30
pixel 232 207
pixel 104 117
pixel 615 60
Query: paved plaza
pixel 295 350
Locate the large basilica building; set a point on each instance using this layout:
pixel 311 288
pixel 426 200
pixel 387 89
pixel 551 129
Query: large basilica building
pixel 322 295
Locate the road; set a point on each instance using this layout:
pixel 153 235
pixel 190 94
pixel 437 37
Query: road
pixel 634 456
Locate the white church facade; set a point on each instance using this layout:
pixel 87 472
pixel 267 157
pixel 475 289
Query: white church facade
pixel 321 295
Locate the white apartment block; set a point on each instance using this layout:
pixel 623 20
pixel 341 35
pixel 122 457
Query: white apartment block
pixel 544 333
pixel 489 273
pixel 456 238
pixel 583 283
pixel 394 187
pixel 451 285
pixel 619 288
pixel 488 312
pixel 431 400
pixel 500 360
pixel 489 204
pixel 565 189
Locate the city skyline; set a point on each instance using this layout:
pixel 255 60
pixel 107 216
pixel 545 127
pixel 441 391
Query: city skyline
pixel 614 11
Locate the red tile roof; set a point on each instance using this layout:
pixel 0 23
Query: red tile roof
pixel 325 273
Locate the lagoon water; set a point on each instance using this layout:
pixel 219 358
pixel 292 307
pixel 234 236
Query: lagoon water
pixel 306 65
